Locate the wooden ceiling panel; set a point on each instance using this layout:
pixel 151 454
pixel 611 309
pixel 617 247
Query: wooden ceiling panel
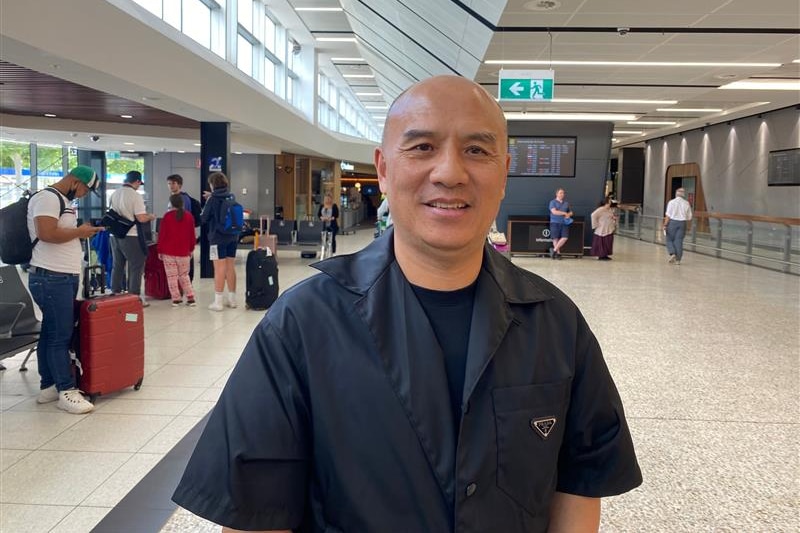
pixel 30 93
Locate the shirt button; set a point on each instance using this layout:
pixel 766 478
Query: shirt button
pixel 471 488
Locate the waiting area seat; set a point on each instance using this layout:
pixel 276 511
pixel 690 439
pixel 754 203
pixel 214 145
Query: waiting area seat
pixel 19 327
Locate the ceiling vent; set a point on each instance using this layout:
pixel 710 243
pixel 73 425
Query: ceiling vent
pixel 543 5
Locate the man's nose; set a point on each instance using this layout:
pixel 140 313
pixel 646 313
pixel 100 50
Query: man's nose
pixel 449 169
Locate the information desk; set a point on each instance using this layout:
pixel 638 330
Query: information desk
pixel 530 235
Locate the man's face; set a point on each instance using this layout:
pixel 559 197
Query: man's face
pixel 443 165
pixel 174 188
pixel 560 195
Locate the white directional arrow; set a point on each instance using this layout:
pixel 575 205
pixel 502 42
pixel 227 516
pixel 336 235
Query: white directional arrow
pixel 516 88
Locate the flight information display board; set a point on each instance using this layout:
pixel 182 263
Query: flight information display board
pixel 542 156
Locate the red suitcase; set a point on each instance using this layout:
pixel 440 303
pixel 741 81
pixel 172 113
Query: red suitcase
pixel 155 277
pixel 110 344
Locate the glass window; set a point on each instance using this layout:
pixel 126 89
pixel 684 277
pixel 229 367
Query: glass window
pixel 244 56
pixel 197 21
pixel 153 6
pixel 172 13
pixel 15 171
pixel 269 74
pixel 289 89
pixel 289 53
pixel 246 14
pixel 49 168
pixel 269 34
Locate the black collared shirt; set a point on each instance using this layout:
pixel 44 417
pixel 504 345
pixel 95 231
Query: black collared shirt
pixel 348 428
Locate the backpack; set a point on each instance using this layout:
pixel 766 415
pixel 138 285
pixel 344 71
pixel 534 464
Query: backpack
pixel 16 247
pixel 233 223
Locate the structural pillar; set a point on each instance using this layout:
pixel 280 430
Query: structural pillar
pixel 215 152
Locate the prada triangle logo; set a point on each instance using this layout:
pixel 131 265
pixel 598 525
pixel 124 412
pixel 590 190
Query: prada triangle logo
pixel 543 426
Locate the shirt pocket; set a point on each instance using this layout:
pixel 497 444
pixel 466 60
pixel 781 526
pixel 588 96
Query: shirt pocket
pixel 530 424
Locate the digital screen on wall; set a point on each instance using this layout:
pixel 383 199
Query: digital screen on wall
pixel 542 156
pixel 784 167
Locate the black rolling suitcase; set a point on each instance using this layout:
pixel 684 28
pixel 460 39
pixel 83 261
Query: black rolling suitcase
pixel 261 276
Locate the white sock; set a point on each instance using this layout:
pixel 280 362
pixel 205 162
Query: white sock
pixel 217 298
pixel 231 296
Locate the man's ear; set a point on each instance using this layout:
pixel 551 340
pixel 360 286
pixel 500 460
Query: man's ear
pixel 380 166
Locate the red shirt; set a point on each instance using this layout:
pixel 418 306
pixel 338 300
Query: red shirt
pixel 176 237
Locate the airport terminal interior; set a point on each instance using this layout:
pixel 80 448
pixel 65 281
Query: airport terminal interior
pixel 628 99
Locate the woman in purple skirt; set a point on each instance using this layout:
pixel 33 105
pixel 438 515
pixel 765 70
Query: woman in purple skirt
pixel 604 224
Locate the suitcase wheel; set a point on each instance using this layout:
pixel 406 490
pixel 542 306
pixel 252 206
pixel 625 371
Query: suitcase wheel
pixel 138 384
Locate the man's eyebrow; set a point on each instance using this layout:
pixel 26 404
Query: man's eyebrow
pixel 482 136
pixel 413 135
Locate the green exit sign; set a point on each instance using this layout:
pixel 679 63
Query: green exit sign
pixel 527 85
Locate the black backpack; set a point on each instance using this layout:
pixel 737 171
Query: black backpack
pixel 16 247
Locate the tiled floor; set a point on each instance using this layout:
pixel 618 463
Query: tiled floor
pixel 706 357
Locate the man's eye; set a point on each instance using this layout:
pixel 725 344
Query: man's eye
pixel 424 147
pixel 476 150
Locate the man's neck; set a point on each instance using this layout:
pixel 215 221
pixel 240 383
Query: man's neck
pixel 439 270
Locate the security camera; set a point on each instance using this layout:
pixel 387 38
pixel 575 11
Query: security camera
pixel 623 31
pixel 94 138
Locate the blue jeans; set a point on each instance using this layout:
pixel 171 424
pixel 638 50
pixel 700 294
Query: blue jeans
pixel 55 295
pixel 676 231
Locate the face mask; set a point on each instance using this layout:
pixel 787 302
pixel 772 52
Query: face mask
pixel 71 194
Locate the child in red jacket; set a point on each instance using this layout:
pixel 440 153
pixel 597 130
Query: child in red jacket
pixel 175 245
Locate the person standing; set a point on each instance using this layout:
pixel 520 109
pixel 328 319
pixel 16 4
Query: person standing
pixel 451 389
pixel 559 232
pixel 222 249
pixel 127 252
pixel 53 280
pixel 190 205
pixel 678 213
pixel 604 224
pixel 328 213
pixel 175 245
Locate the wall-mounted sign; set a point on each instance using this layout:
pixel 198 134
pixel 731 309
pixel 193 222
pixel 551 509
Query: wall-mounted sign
pixel 348 167
pixel 215 164
pixel 529 85
pixel 113 155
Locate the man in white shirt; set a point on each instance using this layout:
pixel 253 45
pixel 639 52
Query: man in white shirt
pixel 127 251
pixel 678 213
pixel 53 282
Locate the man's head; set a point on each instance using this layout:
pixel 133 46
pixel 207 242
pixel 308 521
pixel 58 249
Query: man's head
pixel 443 161
pixel 175 183
pixel 80 181
pixel 218 180
pixel 134 179
pixel 680 192
pixel 560 193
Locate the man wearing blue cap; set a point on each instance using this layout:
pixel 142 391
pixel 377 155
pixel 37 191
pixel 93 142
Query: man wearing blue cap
pixel 53 282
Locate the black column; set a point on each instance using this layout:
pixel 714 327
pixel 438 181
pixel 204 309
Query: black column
pixel 215 151
pixel 93 206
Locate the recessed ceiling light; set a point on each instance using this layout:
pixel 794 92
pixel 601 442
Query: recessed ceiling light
pixel 334 9
pixel 652 122
pixel 626 132
pixel 348 59
pixel 336 39
pixel 358 75
pixel 796 61
pixel 613 139
pixel 379 117
pixel 198 144
pixel 542 5
pixel 50 115
pixel 128 144
pixel 764 84
pixel 605 117
pixel 238 153
pixel 126 116
pixel 689 109
pixel 131 151
pixel 376 107
pixel 629 63
pixel 181 151
pixel 66 142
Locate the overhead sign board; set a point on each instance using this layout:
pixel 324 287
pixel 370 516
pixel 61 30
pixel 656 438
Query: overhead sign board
pixel 526 85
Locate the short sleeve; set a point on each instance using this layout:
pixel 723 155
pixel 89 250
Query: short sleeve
pixel 250 468
pixel 138 205
pixel 45 204
pixel 597 458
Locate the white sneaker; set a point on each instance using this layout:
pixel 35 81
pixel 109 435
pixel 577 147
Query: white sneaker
pixel 232 304
pixel 72 401
pixel 214 306
pixel 50 394
pixel 672 259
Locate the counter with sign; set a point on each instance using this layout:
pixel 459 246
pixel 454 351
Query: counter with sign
pixel 530 235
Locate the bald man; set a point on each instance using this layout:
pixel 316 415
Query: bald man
pixel 453 391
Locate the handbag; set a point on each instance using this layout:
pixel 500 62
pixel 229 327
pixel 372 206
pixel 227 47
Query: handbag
pixel 118 225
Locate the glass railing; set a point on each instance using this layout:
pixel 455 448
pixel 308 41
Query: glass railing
pixel 769 242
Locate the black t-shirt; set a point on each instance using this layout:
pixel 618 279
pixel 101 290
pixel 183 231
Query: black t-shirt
pixel 450 315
